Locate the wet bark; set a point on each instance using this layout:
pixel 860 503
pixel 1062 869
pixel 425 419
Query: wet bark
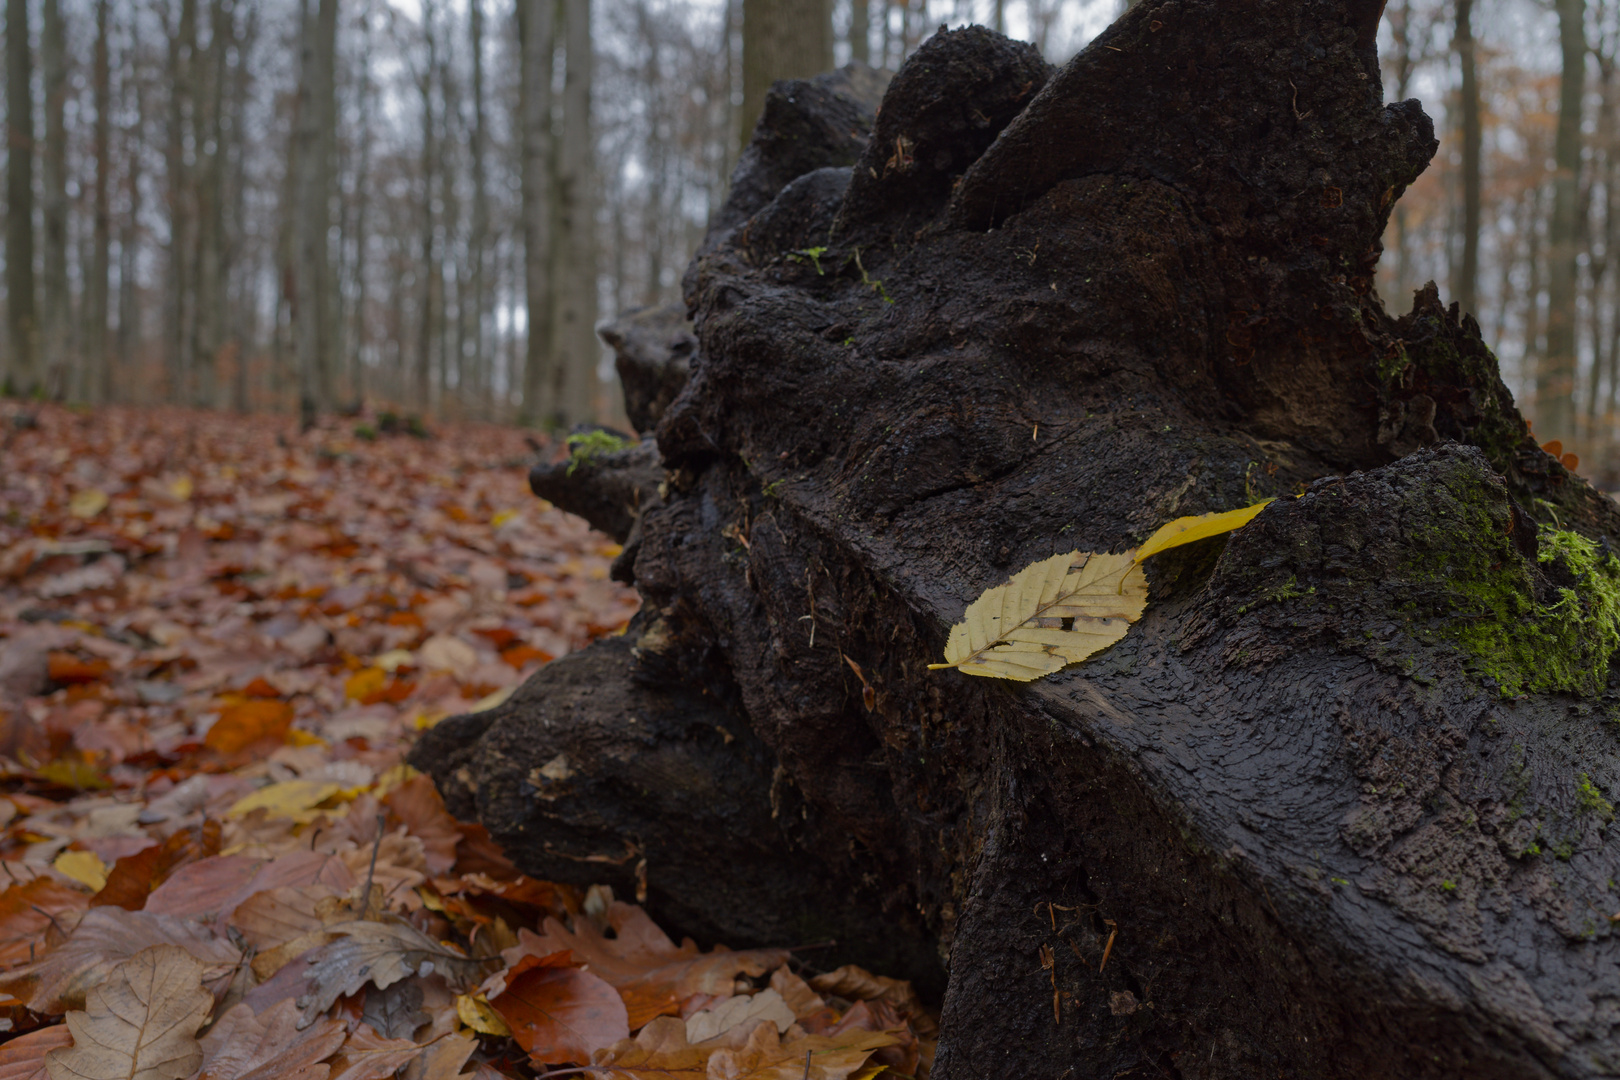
pixel 1321 811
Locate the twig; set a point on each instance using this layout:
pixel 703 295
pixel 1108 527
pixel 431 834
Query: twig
pixel 807 1065
pixel 376 844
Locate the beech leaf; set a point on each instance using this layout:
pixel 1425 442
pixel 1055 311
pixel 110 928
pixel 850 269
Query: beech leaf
pixel 141 1024
pixel 1055 612
pixel 562 1014
pixel 381 953
pixel 1187 530
pixel 23 1058
pixel 662 1052
pixel 268 1046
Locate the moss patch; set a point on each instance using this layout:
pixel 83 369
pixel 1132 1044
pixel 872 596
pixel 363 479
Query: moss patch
pixel 593 444
pixel 1559 641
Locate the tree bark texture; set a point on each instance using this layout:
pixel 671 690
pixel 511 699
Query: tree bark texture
pixel 1301 820
pixel 782 39
pixel 574 349
pixel 1472 150
pixel 96 360
pixel 22 326
pixel 537 45
pixel 53 161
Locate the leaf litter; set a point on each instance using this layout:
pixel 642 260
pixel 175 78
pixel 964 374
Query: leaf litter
pixel 218 638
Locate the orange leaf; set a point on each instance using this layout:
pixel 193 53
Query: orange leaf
pixel 24 1058
pixel 521 656
pixel 562 1014
pixel 417 804
pixel 260 688
pixel 498 636
pixel 135 876
pixel 67 669
pixel 366 685
pixel 245 723
pixel 404 618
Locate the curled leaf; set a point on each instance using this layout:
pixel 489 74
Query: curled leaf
pixel 1186 530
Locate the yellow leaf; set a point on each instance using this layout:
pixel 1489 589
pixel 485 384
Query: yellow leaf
pixel 365 683
pixel 1056 612
pixel 291 799
pixel 180 488
pixel 476 1014
pixel 504 516
pixel 392 777
pixel 393 660
pixel 141 1024
pixel 85 867
pixel 87 503
pixel 74 773
pixel 1185 530
pixel 300 737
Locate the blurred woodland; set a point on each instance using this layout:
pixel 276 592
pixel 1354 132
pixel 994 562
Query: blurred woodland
pixel 430 204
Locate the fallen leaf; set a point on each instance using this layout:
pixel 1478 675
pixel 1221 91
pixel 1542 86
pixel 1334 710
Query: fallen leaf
pixel 141 1024
pixel 442 652
pixel 69 670
pixel 397 1011
pixel 28 909
pixel 1186 530
pixel 244 723
pixel 857 984
pixel 744 1009
pixel 661 1052
pixel 87 503
pixel 85 867
pixel 293 800
pixel 477 1014
pixel 380 953
pixel 417 804
pixel 268 1046
pixel 442 1060
pixel 104 938
pixel 131 880
pixel 369 1056
pixel 23 1058
pixel 562 1014
pixel 1053 613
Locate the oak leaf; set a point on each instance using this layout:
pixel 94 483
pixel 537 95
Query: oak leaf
pixel 141 1024
pixel 268 1046
pixel 381 953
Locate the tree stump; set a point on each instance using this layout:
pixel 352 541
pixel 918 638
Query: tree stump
pixel 1338 806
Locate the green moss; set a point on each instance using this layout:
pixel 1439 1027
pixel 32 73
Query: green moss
pixel 592 444
pixel 1391 366
pixel 1526 645
pixel 1590 798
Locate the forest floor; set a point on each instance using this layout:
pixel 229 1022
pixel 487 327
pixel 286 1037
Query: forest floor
pixel 218 638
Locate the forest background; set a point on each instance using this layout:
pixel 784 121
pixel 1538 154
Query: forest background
pixel 428 205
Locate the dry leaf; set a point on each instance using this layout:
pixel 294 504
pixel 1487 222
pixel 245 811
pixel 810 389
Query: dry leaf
pixel 294 800
pixel 104 938
pixel 141 1024
pixel 744 1010
pixel 369 1056
pixel 397 1011
pixel 417 804
pixel 1186 530
pixel 23 1058
pixel 476 1013
pixel 132 878
pixel 268 1046
pixel 87 503
pixel 244 723
pixel 662 1052
pixel 28 909
pixel 562 1014
pixel 381 953
pixel 857 984
pixel 442 1060
pixel 85 867
pixel 1056 612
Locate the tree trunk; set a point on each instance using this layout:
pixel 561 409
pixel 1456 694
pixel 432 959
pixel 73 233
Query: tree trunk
pixel 21 375
pixel 312 209
pixel 574 347
pixel 1337 806
pixel 782 39
pixel 53 58
pixel 860 30
pixel 428 269
pixel 1555 376
pixel 478 238
pixel 99 272
pixel 537 44
pixel 1472 143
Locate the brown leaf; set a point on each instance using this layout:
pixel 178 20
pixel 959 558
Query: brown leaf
pixel 662 1052
pixel 369 1056
pixel 133 877
pixel 381 953
pixel 442 1060
pixel 417 804
pixel 23 1058
pixel 141 1024
pixel 397 1011
pixel 562 1014
pixel 288 922
pixel 244 723
pixel 649 971
pixel 105 938
pixel 245 1046
pixel 27 910
pixel 858 984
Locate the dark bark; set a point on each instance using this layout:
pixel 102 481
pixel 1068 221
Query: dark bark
pixel 1324 800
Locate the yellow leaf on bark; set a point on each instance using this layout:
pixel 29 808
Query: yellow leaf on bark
pixel 1186 530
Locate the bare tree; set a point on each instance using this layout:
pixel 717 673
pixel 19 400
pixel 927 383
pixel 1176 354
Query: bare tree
pixel 311 266
pixel 1467 281
pixel 23 373
pixel 782 39
pixel 1555 377
pixel 98 273
pixel 54 291
pixel 478 238
pixel 575 348
pixel 536 45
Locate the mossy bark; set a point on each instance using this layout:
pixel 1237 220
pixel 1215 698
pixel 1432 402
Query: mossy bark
pixel 1334 807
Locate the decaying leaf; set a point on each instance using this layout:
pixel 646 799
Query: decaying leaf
pixel 139 1025
pixel 1055 612
pixel 27 910
pixel 369 1056
pixel 442 1060
pixel 662 1052
pixel 381 953
pixel 1067 608
pixel 268 1046
pixel 733 1012
pixel 562 1014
